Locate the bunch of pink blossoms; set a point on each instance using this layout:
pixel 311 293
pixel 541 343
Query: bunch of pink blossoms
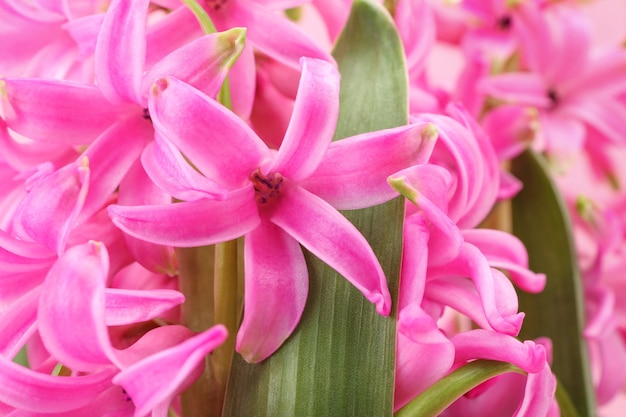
pixel 121 141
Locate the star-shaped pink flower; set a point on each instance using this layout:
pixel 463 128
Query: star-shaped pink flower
pixel 276 199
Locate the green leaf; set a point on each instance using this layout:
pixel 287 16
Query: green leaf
pixel 541 221
pixel 447 390
pixel 341 358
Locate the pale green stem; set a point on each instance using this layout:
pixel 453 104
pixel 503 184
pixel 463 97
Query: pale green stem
pixel 202 16
pixel 196 281
pixel 444 392
pixel 226 306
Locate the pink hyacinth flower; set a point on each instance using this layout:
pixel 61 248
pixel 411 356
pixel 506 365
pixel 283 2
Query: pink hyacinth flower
pixel 277 199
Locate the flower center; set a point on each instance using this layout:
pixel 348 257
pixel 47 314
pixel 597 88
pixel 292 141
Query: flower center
pixel 553 96
pixel 504 22
pixel 216 4
pixel 146 115
pixel 266 187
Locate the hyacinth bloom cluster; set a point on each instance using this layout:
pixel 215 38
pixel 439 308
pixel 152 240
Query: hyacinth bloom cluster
pixel 135 130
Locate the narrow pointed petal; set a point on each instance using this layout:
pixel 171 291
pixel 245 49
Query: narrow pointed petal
pixel 607 115
pixel 416 25
pixel 424 355
pixel 193 223
pixel 110 158
pixel 460 294
pixel 214 139
pixel 74 293
pixel 271 33
pixel 505 251
pixel 485 344
pixel 134 306
pixel 121 50
pixel 414 262
pixel 313 121
pixel 160 377
pixel 538 394
pixel 202 63
pixel 169 169
pixel 332 238
pixel 604 75
pixel 499 300
pixel 137 189
pixel 18 324
pixel 276 280
pixel 353 174
pixel 49 210
pixel 426 187
pixel 56 111
pixel 28 390
pixel 519 88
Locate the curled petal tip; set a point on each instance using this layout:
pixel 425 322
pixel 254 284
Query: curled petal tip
pixel 430 132
pixel 159 86
pixel 233 38
pixel 399 183
pixel 382 303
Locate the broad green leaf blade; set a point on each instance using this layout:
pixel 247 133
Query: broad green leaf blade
pixel 341 358
pixel 541 221
pixel 447 390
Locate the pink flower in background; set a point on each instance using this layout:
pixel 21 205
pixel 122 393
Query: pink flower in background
pixel 569 86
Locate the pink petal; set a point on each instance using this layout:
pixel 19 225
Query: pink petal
pixel 271 33
pixel 313 121
pixel 216 141
pixel 49 210
pixel 505 251
pixel 416 25
pixel 276 280
pixel 604 75
pixel 173 30
pixel 426 187
pixel 78 278
pixel 169 169
pixel 414 261
pixel 25 389
pixel 538 394
pixel 459 294
pixel 84 32
pixel 23 155
pixel 159 377
pixel 110 158
pixel 202 63
pixel 562 133
pixel 134 306
pixel 57 111
pixel 423 355
pixel 605 114
pixel 121 50
pixel 519 88
pixel 485 344
pixel 18 324
pixel 188 224
pixel 570 55
pixel 499 301
pixel 354 171
pixel 137 189
pixel 18 282
pixel 243 83
pixel 332 238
